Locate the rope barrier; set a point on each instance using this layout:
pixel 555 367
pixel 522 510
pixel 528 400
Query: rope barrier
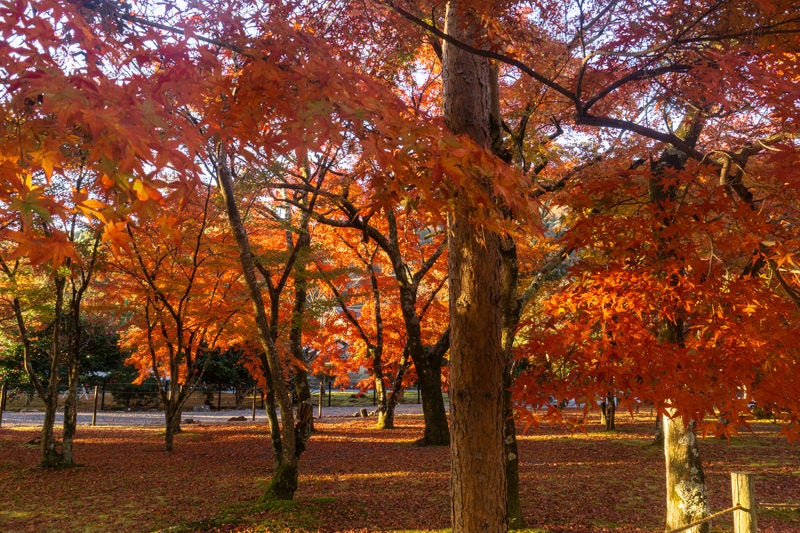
pixel 709 518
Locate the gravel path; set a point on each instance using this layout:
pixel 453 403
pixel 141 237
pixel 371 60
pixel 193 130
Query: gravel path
pixel 155 418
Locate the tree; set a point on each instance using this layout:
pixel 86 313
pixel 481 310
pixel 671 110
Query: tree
pixel 608 70
pixel 265 87
pixel 65 280
pixel 66 157
pixel 182 296
pixel 414 265
pixel 397 288
pixel 284 480
pixel 476 354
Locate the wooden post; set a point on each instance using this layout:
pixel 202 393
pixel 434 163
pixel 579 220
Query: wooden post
pixel 94 410
pixel 254 403
pixel 2 401
pixel 743 493
pixel 321 395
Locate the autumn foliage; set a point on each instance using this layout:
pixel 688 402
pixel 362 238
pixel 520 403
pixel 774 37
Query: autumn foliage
pixel 604 193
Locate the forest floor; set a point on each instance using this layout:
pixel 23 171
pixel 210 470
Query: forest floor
pixel 356 478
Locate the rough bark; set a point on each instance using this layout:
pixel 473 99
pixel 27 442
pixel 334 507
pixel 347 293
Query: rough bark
pixel 478 475
pixel 687 499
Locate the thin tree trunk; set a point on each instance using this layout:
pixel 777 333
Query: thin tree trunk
pixel 377 379
pixel 51 456
pixel 610 411
pixel 284 480
pixel 75 335
pixel 511 308
pixel 478 474
pixel 513 502
pixel 301 386
pixel 271 409
pixel 71 409
pixel 397 390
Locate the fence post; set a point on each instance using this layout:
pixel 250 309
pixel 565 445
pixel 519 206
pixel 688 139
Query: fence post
pixel 743 493
pixel 321 396
pixel 3 388
pixel 94 409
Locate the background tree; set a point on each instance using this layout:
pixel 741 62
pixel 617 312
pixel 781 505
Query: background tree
pixel 182 297
pixel 414 248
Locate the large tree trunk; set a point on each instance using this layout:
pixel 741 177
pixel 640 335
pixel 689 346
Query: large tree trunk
pixel 687 499
pixel 478 475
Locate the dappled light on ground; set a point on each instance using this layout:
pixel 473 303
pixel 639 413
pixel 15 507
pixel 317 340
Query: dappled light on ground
pixel 357 478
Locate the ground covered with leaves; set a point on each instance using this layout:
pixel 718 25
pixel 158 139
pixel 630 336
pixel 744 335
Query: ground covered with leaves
pixel 356 478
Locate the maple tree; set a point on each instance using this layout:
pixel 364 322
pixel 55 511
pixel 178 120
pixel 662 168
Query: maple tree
pixel 182 296
pixel 413 247
pixel 679 232
pixel 280 227
pixel 78 136
pixel 402 255
pixel 613 70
